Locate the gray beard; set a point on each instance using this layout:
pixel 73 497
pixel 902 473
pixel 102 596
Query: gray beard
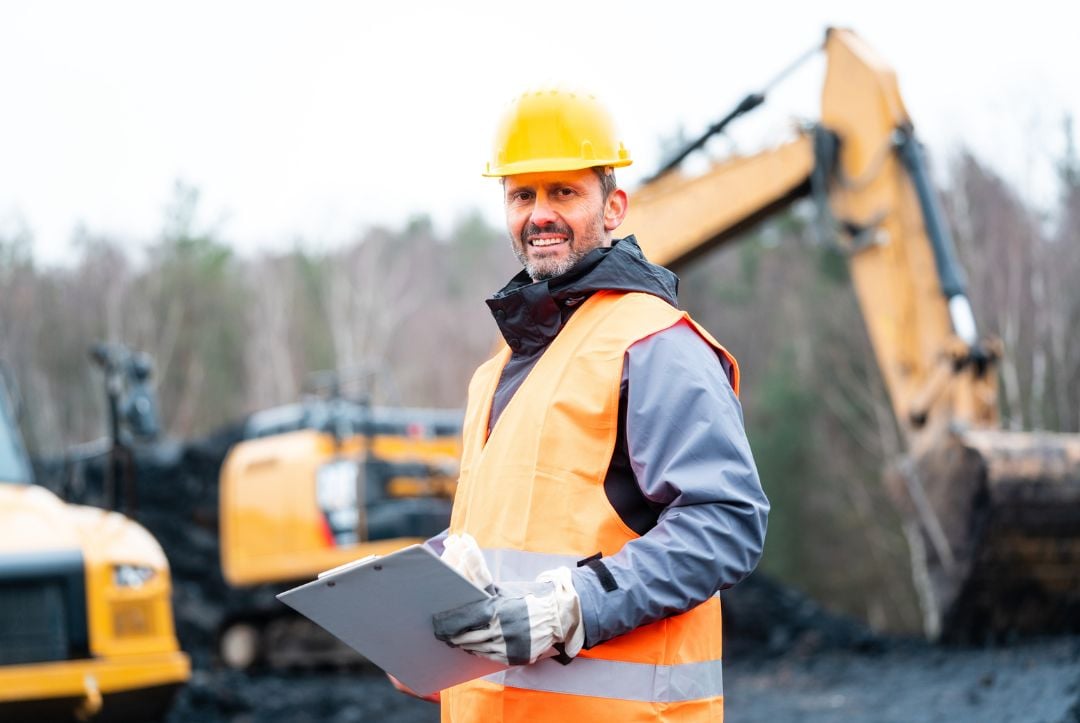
pixel 550 269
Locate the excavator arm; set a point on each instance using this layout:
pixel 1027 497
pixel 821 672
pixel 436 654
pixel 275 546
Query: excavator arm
pixel 864 157
pixel 676 219
pixel 993 517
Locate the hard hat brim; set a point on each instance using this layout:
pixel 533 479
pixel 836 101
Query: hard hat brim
pixel 545 165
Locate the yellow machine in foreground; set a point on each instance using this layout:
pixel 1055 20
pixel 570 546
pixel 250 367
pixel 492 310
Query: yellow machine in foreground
pixel 314 486
pixel 993 516
pixel 86 625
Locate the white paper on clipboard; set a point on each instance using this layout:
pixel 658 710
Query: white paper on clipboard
pixel 382 608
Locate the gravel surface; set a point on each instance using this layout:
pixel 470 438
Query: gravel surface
pixel 341 697
pixel 1035 681
pixel 902 681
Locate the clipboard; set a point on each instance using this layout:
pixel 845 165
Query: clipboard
pixel 382 608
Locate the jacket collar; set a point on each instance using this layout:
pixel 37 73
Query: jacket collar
pixel 530 314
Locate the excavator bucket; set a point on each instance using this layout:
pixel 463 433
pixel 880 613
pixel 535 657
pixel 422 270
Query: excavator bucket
pixel 994 527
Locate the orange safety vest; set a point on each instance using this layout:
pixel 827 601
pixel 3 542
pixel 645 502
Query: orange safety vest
pixel 532 494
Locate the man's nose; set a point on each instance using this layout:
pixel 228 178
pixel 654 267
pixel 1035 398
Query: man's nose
pixel 542 212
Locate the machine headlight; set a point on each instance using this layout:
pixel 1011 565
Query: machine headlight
pixel 132 576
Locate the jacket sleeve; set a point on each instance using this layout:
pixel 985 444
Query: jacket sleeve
pixel 689 452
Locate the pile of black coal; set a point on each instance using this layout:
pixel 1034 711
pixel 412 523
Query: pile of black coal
pixel 765 618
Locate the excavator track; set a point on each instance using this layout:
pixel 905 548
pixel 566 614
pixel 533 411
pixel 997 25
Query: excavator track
pixel 285 643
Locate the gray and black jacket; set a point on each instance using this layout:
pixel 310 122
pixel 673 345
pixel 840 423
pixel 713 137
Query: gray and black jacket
pixel 682 474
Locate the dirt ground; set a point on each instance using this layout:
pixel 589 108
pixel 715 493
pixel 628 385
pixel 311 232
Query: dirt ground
pixel 787 660
pixel 1034 681
pixel 900 681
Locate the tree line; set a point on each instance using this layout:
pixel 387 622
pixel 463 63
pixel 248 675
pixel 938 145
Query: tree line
pixel 401 312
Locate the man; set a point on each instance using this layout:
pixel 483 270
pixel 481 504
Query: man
pixel 606 485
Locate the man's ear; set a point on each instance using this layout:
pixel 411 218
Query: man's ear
pixel 615 209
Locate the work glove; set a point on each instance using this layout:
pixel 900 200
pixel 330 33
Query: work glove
pixel 463 554
pixel 521 623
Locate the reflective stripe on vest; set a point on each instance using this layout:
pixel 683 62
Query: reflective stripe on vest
pixel 616 679
pixel 522 565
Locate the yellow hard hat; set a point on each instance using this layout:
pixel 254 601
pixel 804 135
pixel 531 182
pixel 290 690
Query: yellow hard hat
pixel 555 130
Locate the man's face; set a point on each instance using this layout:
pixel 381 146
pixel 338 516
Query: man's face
pixel 557 217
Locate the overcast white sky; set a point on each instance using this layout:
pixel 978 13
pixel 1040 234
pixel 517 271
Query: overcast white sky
pixel 312 120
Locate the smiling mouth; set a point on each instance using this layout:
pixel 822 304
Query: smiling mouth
pixel 549 235
pixel 544 241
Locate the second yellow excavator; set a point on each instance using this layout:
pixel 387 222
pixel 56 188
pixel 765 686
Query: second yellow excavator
pixel 993 517
pixel 312 486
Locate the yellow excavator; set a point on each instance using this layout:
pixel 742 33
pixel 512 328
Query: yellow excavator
pixel 86 623
pixel 315 485
pixel 993 517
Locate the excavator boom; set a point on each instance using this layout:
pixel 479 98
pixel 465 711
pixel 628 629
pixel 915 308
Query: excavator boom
pixel 677 219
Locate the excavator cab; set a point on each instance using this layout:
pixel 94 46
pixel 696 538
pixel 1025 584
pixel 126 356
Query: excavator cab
pixel 312 486
pixel 992 516
pixel 321 483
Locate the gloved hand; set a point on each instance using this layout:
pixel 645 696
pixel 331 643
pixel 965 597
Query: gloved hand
pixel 463 554
pixel 521 623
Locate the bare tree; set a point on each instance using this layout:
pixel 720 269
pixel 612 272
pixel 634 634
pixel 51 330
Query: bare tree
pixel 271 375
pixel 997 237
pixel 373 286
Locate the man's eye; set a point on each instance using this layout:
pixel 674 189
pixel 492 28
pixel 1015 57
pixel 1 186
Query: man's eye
pixel 521 196
pixel 565 192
